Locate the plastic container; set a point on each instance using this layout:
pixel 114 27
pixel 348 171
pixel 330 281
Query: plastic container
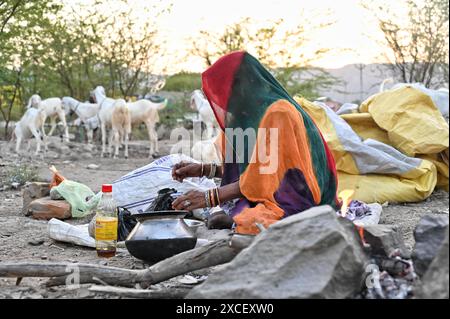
pixel 106 224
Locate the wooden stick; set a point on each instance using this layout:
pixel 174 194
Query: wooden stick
pixel 174 293
pixel 212 254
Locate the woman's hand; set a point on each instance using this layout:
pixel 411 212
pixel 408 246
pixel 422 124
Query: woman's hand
pixel 190 201
pixel 220 220
pixel 183 170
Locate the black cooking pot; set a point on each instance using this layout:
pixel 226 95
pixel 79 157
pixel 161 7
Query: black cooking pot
pixel 160 235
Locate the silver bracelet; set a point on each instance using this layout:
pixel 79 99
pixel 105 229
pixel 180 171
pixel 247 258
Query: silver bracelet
pixel 207 200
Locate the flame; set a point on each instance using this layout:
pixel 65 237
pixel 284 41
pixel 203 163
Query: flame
pixel 346 197
pixel 361 234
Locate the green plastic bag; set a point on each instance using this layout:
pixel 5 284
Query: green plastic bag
pixel 80 197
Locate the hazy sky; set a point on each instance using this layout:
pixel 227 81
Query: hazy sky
pixel 355 27
pixel 352 35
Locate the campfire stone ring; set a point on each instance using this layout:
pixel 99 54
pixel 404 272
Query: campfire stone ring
pixel 187 204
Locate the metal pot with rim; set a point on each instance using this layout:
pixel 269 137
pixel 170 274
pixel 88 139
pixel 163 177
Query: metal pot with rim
pixel 160 235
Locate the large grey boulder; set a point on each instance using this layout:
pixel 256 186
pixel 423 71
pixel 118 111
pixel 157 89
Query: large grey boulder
pixel 435 282
pixel 429 235
pixel 314 254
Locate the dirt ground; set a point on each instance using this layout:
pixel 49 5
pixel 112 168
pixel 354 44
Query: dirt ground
pixel 24 239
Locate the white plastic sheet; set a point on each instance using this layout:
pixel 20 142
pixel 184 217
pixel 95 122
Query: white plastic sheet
pixel 136 190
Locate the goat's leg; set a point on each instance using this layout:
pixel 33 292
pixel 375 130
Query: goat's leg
pixel 103 128
pixel 116 135
pixel 126 138
pixel 111 141
pixel 151 137
pixel 18 141
pixel 44 140
pixel 52 126
pixel 37 136
pixel 62 117
pixel 209 131
pixel 90 135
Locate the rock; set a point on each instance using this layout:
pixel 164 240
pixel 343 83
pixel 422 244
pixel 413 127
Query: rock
pixel 46 209
pixel 163 132
pixel 429 235
pixel 15 185
pixel 88 148
pixel 87 156
pixel 75 157
pixel 36 242
pixel 93 166
pixel 435 282
pixel 314 254
pixel 33 191
pixel 91 228
pixel 385 240
pixel 51 154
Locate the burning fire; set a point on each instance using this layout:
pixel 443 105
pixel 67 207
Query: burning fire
pixel 346 197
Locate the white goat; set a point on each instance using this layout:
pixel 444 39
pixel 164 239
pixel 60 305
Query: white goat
pixel 121 123
pixel 53 109
pixel 145 111
pixel 205 151
pixel 30 125
pixel 440 97
pixel 85 112
pixel 206 115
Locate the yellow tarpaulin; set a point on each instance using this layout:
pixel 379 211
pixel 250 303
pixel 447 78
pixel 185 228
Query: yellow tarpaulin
pixel 375 160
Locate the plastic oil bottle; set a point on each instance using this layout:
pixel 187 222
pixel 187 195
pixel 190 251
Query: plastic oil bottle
pixel 106 224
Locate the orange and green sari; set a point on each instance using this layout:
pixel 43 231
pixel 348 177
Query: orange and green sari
pixel 246 97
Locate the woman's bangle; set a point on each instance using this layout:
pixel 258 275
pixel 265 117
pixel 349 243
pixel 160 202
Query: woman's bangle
pixel 211 196
pixel 203 170
pixel 207 200
pixel 212 171
pixel 217 196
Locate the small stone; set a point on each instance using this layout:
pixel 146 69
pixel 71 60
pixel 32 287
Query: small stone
pixel 15 185
pixel 93 166
pixel 87 156
pixel 36 242
pixel 188 280
pixel 32 191
pixel 83 293
pixel 46 209
pixel 44 257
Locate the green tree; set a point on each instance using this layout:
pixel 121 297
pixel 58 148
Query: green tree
pixel 21 24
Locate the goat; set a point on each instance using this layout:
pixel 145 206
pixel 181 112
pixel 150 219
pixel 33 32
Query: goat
pixel 122 117
pixel 53 109
pixel 206 115
pixel 145 111
pixel 121 125
pixel 31 124
pixel 85 112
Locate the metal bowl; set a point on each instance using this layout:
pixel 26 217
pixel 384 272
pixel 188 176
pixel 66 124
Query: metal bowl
pixel 194 224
